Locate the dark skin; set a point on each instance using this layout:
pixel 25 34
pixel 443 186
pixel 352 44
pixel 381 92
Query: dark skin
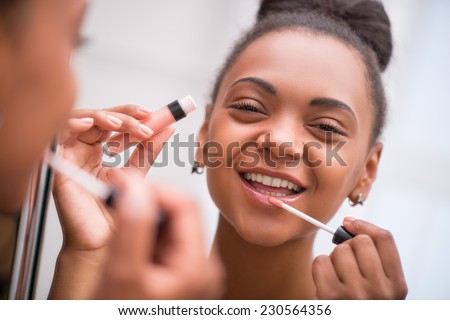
pixel 298 87
pixel 106 252
pixel 37 88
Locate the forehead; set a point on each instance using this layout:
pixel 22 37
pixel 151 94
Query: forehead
pixel 56 6
pixel 305 63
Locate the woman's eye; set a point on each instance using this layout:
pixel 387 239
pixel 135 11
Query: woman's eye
pixel 246 107
pixel 331 127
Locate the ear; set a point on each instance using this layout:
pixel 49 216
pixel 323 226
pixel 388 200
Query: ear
pixel 202 135
pixel 368 173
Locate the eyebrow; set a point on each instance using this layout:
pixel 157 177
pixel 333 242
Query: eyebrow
pixel 330 102
pixel 322 101
pixel 266 86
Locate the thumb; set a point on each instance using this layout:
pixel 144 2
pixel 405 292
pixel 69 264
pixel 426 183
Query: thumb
pixel 136 216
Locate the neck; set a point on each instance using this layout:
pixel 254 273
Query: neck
pixel 270 273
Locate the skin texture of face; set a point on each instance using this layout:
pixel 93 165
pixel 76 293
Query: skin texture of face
pixel 37 88
pixel 292 85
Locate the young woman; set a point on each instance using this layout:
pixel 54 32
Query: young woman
pixel 303 87
pixel 37 91
pixel 298 110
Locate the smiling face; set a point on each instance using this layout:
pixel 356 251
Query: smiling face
pixel 37 86
pixel 299 104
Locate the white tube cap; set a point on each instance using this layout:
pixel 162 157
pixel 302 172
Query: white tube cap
pixel 188 104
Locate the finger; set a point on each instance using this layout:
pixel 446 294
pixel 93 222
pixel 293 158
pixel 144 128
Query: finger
pixel 183 230
pixel 78 125
pixel 121 142
pixel 134 111
pixel 367 257
pixel 136 216
pixel 147 151
pixel 106 122
pixel 325 278
pixel 82 128
pixel 102 118
pixel 345 264
pixel 103 124
pixel 114 120
pixel 93 135
pixel 130 110
pixel 384 242
pixel 75 126
pixel 131 126
pixel 124 124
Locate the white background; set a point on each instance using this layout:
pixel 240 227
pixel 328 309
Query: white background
pixel 149 53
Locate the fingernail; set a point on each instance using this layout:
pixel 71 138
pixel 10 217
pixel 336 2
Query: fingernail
pixel 349 219
pixel 86 120
pixel 145 110
pixel 115 120
pixel 145 129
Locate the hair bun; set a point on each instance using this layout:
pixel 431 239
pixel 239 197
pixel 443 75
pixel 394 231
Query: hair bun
pixel 367 18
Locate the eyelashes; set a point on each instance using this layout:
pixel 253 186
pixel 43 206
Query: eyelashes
pixel 246 106
pixel 330 127
pixel 327 127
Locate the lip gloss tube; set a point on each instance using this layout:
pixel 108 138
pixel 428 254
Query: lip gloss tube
pixel 170 114
pixel 157 121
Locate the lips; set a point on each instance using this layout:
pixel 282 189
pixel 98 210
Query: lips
pixel 271 185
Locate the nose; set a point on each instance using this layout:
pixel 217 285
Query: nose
pixel 281 142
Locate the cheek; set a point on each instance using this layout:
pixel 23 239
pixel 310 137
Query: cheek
pixel 51 75
pixel 42 91
pixel 215 156
pixel 334 177
pixel 46 81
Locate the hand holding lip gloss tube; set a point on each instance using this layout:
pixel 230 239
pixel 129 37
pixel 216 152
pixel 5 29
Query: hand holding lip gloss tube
pixel 173 112
pixel 128 218
pixel 157 121
pixel 138 252
pixel 339 235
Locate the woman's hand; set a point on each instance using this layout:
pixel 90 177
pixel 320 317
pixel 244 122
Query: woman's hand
pixel 86 222
pixel 143 264
pixel 365 267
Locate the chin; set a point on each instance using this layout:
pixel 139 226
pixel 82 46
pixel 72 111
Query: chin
pixel 266 230
pixel 262 239
pixel 12 205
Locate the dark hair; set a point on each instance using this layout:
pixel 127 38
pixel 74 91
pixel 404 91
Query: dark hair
pixel 361 24
pixel 9 10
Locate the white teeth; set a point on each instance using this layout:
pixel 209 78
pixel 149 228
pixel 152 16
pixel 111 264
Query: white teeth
pixel 259 177
pixel 272 194
pixel 266 180
pixel 276 182
pixel 271 182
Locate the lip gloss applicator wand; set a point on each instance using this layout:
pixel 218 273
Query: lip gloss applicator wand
pixel 82 178
pixel 339 235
